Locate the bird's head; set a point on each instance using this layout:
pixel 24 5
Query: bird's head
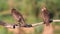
pixel 13 10
pixel 43 8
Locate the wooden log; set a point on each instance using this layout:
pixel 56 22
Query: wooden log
pixel 20 30
pixel 48 29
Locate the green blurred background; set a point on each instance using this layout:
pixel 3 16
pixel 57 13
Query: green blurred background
pixel 30 9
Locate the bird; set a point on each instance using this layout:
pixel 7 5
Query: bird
pixel 19 18
pixel 45 16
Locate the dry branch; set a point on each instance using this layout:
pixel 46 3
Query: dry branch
pixel 20 30
pixel 36 24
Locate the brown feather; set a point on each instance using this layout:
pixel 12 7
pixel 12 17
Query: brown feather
pixel 45 16
pixel 18 16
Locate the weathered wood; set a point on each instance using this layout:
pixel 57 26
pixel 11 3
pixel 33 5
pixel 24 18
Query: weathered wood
pixel 37 24
pixel 26 30
pixel 48 29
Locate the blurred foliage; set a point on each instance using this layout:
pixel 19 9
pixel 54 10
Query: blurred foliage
pixel 3 30
pixel 56 26
pixel 3 5
pixel 57 31
pixel 30 9
pixel 39 29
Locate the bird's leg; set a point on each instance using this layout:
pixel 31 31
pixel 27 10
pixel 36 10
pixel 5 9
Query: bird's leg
pixel 47 23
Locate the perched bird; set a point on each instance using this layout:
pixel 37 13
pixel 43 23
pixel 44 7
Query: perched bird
pixel 18 17
pixel 45 16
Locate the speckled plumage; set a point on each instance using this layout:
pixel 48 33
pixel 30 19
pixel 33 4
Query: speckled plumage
pixel 45 16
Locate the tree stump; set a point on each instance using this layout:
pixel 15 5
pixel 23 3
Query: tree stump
pixel 48 29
